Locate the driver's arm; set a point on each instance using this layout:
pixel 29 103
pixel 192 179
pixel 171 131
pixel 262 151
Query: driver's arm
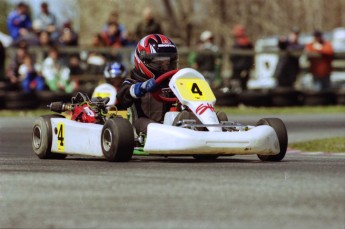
pixel 132 90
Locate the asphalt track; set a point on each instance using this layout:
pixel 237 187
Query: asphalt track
pixel 302 191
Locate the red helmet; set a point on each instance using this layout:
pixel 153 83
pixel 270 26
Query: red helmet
pixel 154 55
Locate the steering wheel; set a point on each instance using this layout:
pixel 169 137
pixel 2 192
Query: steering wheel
pixel 158 93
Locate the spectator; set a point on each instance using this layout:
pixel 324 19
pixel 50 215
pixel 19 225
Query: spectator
pixel 12 73
pixel 56 75
pixel 241 64
pixel 288 65
pixel 19 22
pixel 320 66
pixel 96 60
pixel 68 37
pixel 206 59
pixel 44 39
pixel 148 25
pixel 114 18
pixel 75 65
pixel 46 20
pixel 30 80
pixel 112 36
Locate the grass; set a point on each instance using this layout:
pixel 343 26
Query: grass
pixel 334 145
pixel 241 110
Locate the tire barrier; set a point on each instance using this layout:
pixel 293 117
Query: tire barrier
pixel 226 98
pixel 340 97
pixel 256 98
pixel 285 97
pixel 46 97
pixel 279 97
pixel 20 100
pixel 319 98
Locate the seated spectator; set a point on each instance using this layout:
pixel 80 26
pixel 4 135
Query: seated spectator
pixel 68 37
pixel 114 18
pixel 96 60
pixel 75 66
pixel 19 22
pixel 12 73
pixel 44 39
pixel 148 25
pixel 46 19
pixel 30 79
pixel 56 75
pixel 112 36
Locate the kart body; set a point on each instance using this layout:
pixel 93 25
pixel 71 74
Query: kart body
pixel 113 137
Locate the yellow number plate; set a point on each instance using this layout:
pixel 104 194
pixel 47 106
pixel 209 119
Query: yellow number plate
pixel 61 136
pixel 194 89
pixel 101 94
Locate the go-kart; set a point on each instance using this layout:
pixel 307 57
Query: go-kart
pixel 94 131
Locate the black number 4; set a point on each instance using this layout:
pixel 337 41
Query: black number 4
pixel 196 89
pixel 60 135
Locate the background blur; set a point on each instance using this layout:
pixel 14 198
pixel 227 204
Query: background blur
pixel 263 22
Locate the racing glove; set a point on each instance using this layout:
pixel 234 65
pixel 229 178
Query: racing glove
pixel 139 89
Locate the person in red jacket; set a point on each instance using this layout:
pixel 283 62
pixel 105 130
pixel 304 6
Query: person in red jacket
pixel 320 66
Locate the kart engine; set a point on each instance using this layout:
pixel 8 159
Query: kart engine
pixel 83 109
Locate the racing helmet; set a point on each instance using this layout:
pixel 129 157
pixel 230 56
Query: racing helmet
pixel 155 55
pixel 114 70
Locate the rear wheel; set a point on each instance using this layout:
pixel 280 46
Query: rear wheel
pixel 42 138
pixel 280 129
pixel 117 140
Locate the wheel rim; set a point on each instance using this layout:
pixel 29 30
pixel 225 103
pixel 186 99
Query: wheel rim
pixel 107 139
pixel 37 137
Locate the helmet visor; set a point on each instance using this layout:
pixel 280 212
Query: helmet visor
pixel 162 64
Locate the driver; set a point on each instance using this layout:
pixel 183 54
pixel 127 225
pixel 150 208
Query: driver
pixel 114 75
pixel 154 55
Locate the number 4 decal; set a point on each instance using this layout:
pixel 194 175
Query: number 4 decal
pixel 196 89
pixel 61 137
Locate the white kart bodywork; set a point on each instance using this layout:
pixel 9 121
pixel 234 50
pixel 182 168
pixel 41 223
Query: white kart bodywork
pixel 79 138
pixel 164 139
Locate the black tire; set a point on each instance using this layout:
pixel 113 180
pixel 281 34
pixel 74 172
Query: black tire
pixel 20 100
pixel 256 98
pixel 226 98
pixel 205 157
pixel 117 140
pixel 341 97
pixel 319 98
pixel 42 138
pixel 283 97
pixel 280 129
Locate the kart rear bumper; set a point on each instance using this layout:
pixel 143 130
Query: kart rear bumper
pixel 172 140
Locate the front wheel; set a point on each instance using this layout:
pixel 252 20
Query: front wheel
pixel 280 129
pixel 42 138
pixel 117 140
